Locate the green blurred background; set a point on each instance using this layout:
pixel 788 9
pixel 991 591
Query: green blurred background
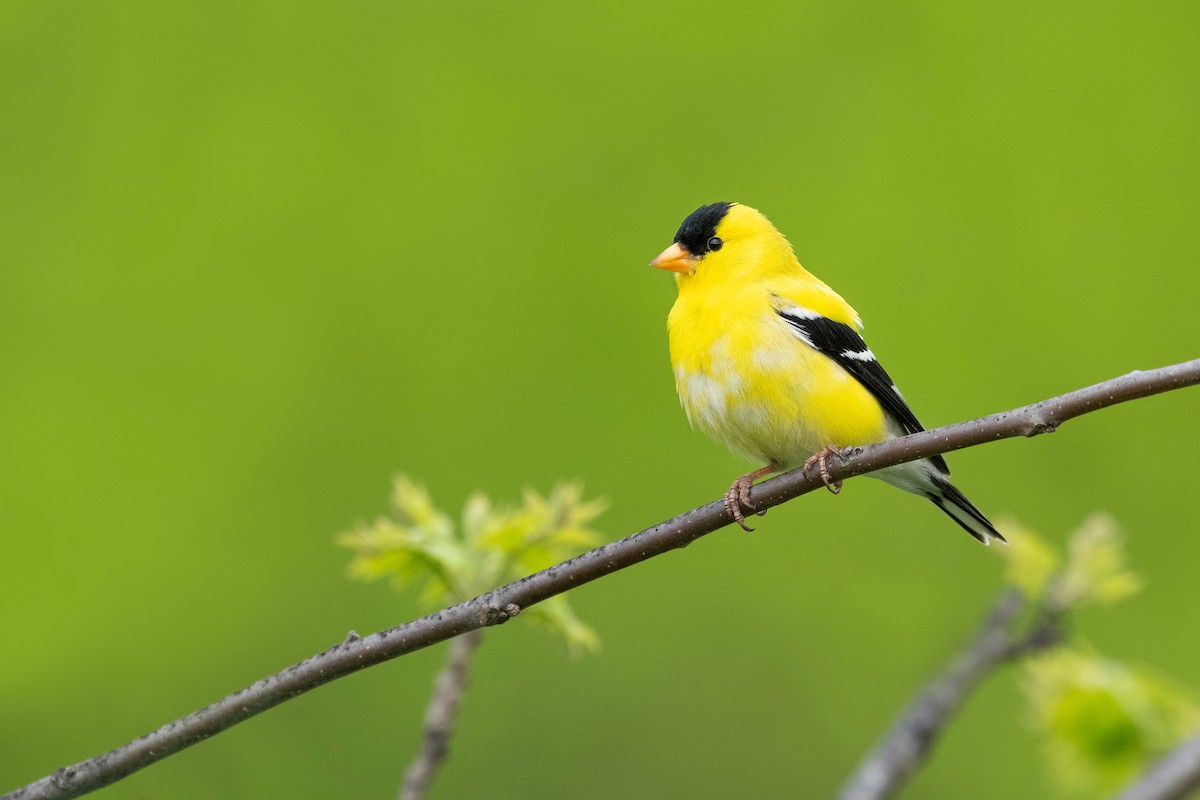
pixel 258 257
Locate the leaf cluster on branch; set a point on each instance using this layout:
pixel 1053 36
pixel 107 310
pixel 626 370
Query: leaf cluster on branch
pixel 418 543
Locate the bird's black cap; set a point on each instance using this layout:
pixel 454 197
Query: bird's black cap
pixel 700 226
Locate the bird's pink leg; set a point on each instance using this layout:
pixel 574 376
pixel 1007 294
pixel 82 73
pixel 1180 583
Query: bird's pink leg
pixel 738 496
pixel 819 459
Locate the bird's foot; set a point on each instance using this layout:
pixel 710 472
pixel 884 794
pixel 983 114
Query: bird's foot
pixel 738 496
pixel 819 458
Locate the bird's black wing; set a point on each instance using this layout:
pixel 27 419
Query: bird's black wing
pixel 841 343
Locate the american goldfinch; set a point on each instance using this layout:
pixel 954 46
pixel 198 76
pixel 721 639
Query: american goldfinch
pixel 769 361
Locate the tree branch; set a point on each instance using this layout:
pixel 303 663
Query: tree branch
pixel 1170 778
pixel 913 735
pixel 501 604
pixel 440 716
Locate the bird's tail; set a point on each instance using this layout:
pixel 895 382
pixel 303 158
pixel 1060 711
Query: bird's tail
pixel 949 499
pixel 929 479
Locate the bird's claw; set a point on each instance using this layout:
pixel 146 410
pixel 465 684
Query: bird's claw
pixel 738 498
pixel 819 458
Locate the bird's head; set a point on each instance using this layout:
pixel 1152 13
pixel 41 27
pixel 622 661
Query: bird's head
pixel 727 241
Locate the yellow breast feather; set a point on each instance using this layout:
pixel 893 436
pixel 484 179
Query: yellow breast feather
pixel 745 378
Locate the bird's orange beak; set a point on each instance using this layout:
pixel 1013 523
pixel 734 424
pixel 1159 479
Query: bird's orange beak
pixel 674 258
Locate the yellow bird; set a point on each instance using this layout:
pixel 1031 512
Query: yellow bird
pixel 769 360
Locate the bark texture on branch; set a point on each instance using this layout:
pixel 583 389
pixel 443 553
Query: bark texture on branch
pixel 440 716
pixel 905 747
pixel 1174 777
pixel 501 604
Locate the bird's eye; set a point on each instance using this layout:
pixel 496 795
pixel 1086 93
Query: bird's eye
pixel 715 244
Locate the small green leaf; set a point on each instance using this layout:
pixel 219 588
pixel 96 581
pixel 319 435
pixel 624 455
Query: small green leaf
pixel 1031 562
pixel 1096 571
pixel 476 514
pixel 406 555
pixel 557 614
pixel 414 508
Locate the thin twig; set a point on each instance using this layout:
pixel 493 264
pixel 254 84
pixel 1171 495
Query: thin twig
pixel 440 716
pixel 1172 777
pixel 908 743
pixel 499 605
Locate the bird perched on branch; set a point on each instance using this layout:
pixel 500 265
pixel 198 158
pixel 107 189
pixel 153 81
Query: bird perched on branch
pixel 769 360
